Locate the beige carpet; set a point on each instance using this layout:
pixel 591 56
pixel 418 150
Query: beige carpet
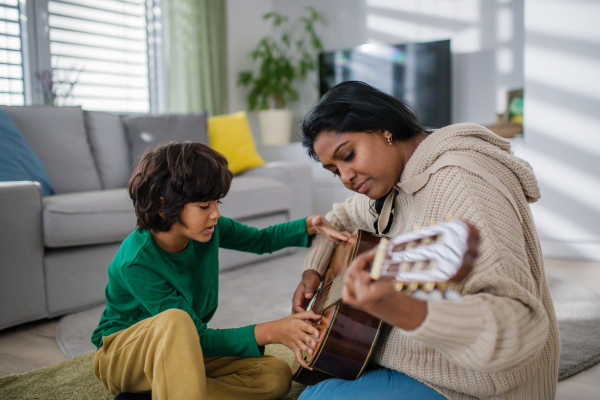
pixel 74 380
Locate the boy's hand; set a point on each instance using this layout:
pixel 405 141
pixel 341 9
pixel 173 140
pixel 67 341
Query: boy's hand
pixel 318 224
pixel 294 332
pixel 305 290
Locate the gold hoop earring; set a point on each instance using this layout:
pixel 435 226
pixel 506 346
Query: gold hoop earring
pixel 389 140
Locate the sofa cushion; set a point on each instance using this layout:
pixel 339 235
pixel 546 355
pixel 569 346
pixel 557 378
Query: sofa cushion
pixel 147 131
pixel 57 134
pixel 19 161
pixel 95 217
pixel 231 136
pixel 107 216
pixel 253 196
pixel 109 148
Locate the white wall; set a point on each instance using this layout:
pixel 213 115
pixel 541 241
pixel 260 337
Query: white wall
pixel 487 42
pixel 562 122
pixel 245 27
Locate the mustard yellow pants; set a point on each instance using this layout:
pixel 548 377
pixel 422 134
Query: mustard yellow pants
pixel 163 354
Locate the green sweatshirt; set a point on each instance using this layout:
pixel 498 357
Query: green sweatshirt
pixel 144 280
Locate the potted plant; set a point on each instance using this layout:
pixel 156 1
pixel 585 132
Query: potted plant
pixel 57 85
pixel 284 58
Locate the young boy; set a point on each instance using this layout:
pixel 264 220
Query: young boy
pixel 163 288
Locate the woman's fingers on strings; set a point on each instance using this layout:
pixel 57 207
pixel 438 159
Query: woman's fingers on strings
pixel 298 303
pixel 361 263
pixel 348 295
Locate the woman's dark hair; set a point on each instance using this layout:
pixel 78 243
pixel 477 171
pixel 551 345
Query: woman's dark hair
pixel 172 175
pixel 354 106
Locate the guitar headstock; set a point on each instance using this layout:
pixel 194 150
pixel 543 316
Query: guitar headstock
pixel 424 262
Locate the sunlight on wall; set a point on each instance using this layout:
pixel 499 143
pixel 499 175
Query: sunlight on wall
pixel 546 222
pixel 460 10
pixel 464 35
pixel 563 177
pixel 562 122
pixel 573 19
pixel 561 70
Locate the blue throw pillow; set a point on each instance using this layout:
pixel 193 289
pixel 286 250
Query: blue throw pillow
pixel 18 161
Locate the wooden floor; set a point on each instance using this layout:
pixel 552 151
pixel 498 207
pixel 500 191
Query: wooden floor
pixel 31 346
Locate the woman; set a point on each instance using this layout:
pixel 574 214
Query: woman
pixel 500 340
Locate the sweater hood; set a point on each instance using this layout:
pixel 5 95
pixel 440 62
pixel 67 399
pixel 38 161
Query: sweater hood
pixel 464 138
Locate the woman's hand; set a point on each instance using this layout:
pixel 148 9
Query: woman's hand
pixel 318 224
pixel 379 298
pixel 360 290
pixel 305 290
pixel 294 332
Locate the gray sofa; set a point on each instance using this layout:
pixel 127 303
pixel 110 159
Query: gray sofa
pixel 55 250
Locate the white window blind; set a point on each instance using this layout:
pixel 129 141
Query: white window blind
pixel 11 59
pixel 104 45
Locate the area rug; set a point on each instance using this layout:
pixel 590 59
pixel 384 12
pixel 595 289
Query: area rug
pixel 74 380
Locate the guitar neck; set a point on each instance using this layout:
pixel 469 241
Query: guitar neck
pixel 427 259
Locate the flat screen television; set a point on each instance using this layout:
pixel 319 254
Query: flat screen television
pixel 417 72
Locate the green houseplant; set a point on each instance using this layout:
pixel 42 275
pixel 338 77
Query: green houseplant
pixel 283 58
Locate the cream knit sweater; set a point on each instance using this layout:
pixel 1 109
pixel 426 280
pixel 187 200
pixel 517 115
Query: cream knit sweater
pixel 500 341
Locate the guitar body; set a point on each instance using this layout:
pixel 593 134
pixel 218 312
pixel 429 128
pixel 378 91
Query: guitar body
pixel 421 263
pixel 348 335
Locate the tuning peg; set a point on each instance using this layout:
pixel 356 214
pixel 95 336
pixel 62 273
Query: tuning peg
pixel 441 286
pixel 413 286
pixel 398 286
pixel 426 240
pixel 410 245
pixel 428 287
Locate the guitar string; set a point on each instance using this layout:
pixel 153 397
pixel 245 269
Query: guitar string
pixel 326 290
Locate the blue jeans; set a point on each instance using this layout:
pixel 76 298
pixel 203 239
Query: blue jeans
pixel 378 384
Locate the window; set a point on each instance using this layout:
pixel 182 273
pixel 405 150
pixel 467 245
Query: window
pixel 11 59
pixel 109 49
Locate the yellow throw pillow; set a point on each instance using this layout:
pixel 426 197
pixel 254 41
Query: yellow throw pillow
pixel 230 135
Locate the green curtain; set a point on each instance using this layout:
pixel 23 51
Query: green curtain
pixel 195 56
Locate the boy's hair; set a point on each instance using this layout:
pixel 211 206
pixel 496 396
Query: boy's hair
pixel 355 106
pixel 172 175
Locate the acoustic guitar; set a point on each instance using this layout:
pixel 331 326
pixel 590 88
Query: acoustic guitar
pixel 423 263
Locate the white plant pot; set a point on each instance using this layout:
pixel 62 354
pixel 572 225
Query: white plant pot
pixel 275 126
